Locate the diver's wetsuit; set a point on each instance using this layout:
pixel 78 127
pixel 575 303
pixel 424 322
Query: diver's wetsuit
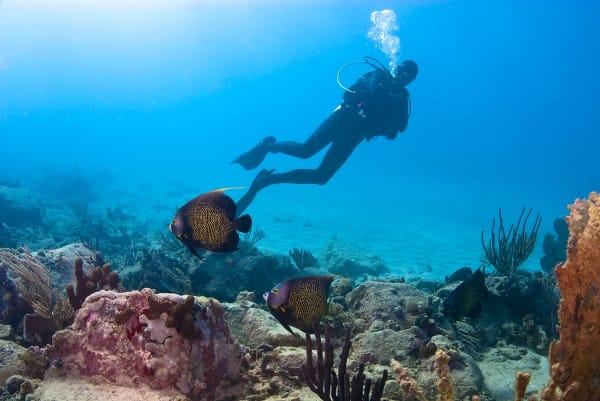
pixel 341 129
pixel 374 106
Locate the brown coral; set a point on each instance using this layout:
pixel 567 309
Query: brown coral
pixel 575 356
pixel 99 277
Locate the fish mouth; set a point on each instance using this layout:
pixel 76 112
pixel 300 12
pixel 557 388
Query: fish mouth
pixel 266 296
pixel 172 229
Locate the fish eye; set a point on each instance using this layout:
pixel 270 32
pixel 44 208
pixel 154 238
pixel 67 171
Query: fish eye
pixel 275 291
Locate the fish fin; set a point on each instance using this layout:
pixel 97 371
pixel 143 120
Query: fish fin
pixel 243 223
pixel 283 314
pixel 219 200
pixel 230 245
pixel 323 280
pixel 194 251
pixel 476 310
pixel 288 328
pixel 225 189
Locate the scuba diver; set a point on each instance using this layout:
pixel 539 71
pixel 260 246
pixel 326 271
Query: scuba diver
pixel 378 104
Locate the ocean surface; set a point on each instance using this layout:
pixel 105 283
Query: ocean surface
pixel 142 105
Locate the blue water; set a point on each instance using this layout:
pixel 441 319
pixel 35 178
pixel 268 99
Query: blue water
pixel 147 103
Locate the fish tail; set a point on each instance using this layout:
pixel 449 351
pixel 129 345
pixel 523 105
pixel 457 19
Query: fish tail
pixel 244 223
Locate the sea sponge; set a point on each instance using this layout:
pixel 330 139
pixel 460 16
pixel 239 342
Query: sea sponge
pixel 575 356
pixel 98 278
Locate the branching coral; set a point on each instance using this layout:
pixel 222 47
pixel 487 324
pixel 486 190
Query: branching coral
pixel 326 384
pixel 507 251
pixel 99 277
pixel 303 258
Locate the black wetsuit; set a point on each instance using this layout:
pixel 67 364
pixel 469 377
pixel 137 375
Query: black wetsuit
pixel 374 106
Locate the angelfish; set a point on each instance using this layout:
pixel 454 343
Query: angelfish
pixel 299 302
pixel 208 222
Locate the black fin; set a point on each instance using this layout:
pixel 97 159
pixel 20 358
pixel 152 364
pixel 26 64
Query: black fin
pixel 288 328
pixel 194 251
pixel 254 157
pixel 244 223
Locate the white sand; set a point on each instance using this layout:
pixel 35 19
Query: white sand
pixel 72 389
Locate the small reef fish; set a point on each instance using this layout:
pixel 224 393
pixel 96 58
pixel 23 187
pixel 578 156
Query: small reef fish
pixel 208 222
pixel 467 299
pixel 299 302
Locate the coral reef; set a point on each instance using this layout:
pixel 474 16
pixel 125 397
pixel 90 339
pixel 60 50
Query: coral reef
pixel 125 339
pixel 10 361
pixel 507 251
pixel 254 327
pixel 224 276
pixel 575 357
pixel 521 308
pixel 377 302
pixel 60 262
pixel 161 270
pixel 555 247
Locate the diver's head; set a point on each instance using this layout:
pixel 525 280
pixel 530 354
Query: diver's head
pixel 406 72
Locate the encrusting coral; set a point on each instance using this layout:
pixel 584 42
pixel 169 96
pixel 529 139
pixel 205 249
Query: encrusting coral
pixel 125 339
pixel 575 357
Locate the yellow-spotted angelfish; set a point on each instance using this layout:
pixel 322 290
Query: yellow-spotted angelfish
pixel 299 302
pixel 208 222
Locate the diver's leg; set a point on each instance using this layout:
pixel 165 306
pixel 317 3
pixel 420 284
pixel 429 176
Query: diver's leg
pixel 321 137
pixel 335 157
pixel 260 181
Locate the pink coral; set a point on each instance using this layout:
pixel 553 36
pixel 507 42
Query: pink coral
pixel 115 338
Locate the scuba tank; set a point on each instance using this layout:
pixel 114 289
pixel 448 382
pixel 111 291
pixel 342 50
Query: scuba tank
pixel 370 91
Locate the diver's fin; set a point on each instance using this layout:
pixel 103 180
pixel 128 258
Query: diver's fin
pixel 255 156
